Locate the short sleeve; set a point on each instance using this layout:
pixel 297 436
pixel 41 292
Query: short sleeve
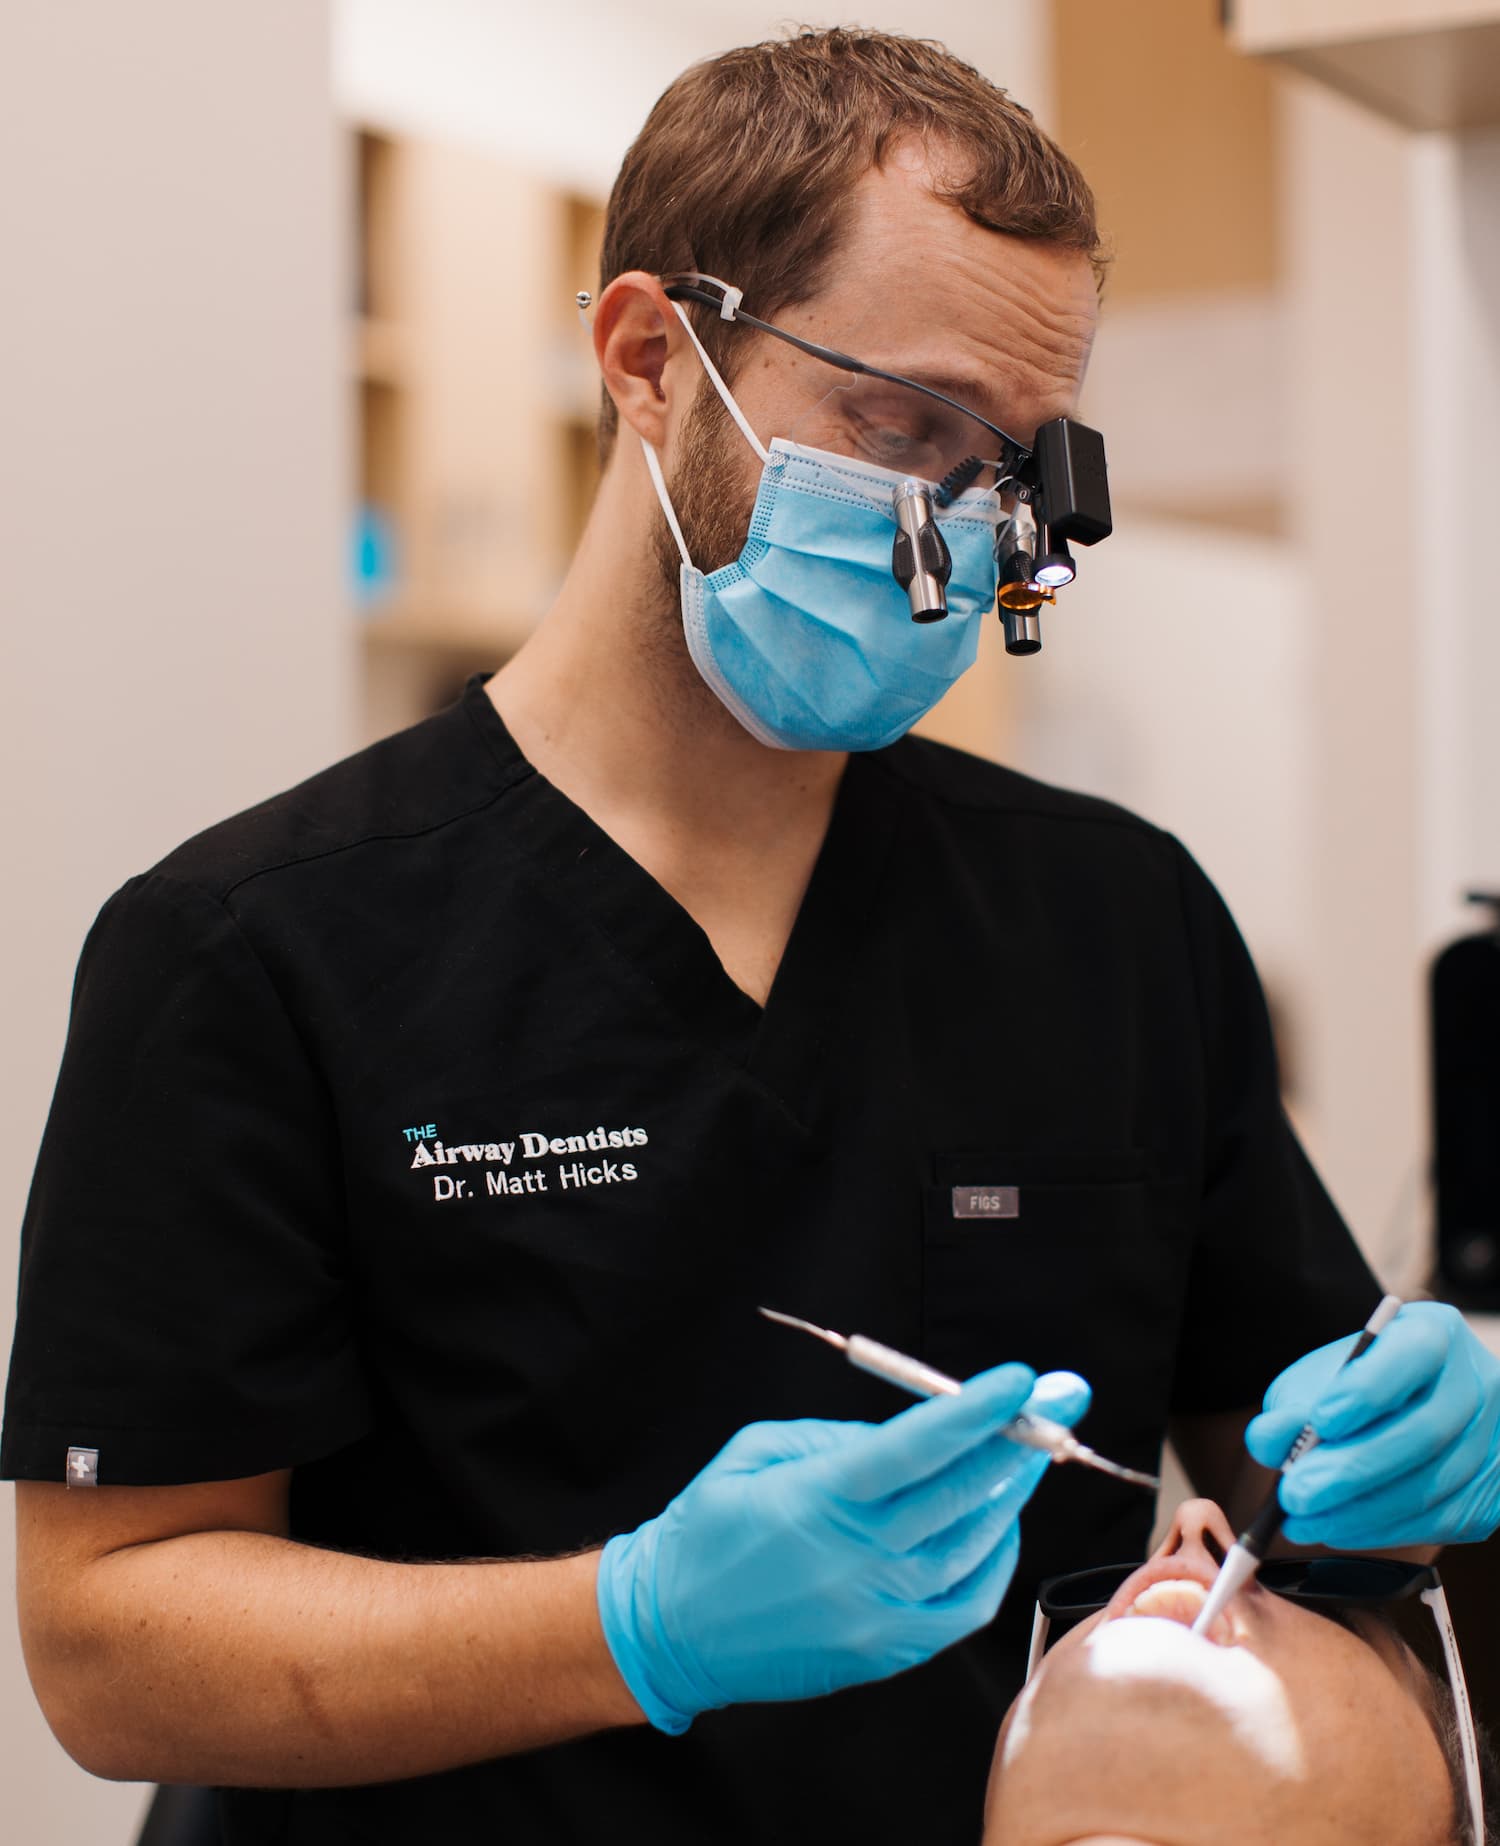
pixel 1274 1270
pixel 184 1301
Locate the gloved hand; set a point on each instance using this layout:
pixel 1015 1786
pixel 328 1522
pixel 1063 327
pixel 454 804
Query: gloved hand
pixel 1410 1450
pixel 812 1555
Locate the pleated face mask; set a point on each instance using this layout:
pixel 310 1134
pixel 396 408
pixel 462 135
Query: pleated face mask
pixel 807 637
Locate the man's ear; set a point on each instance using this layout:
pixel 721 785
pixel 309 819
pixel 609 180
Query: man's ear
pixel 636 334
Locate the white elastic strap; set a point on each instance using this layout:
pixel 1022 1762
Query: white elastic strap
pixel 1463 1712
pixel 723 390
pixel 654 467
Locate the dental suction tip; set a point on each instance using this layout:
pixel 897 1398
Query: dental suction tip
pixel 1235 1572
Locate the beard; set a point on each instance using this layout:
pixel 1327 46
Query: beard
pixel 713 497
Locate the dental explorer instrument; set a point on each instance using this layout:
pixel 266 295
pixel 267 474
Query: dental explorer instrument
pixel 899 1368
pixel 1248 1552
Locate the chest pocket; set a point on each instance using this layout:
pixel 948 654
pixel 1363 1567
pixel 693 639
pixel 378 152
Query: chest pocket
pixel 1065 1261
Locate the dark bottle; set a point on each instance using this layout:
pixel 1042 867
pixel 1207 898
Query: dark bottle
pixel 1466 1113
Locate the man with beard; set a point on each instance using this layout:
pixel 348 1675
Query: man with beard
pixel 427 1136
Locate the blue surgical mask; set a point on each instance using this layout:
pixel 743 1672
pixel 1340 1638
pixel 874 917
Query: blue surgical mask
pixel 807 637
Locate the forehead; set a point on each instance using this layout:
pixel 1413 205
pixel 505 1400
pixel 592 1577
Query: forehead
pixel 918 286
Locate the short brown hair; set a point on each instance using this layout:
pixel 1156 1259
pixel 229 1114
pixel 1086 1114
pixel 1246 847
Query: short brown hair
pixel 746 160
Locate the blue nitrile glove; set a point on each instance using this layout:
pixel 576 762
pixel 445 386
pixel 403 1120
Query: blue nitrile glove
pixel 813 1555
pixel 1410 1450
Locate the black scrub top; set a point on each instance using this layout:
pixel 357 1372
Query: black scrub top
pixel 411 1136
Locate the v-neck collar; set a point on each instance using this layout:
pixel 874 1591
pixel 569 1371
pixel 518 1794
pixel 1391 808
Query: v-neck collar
pixel 782 1045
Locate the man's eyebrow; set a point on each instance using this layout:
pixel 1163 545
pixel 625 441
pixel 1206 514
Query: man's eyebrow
pixel 965 386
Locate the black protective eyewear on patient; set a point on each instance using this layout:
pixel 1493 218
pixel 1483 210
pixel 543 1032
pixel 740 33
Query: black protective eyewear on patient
pixel 1346 1581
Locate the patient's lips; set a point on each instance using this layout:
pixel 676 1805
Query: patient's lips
pixel 1174 1584
pixel 1179 1599
pixel 1175 1588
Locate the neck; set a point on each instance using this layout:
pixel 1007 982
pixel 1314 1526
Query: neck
pixel 604 700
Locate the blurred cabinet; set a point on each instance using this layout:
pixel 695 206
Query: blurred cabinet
pixel 1186 191
pixel 1425 63
pixel 476 394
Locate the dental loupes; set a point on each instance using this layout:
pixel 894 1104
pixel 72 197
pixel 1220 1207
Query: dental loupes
pixel 899 1368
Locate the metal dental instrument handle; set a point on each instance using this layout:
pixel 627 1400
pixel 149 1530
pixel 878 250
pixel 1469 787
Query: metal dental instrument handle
pixel 899 1368
pixel 920 560
pixel 1248 1552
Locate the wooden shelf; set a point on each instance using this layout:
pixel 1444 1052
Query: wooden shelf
pixel 582 236
pixel 475 400
pixel 1424 63
pixel 379 351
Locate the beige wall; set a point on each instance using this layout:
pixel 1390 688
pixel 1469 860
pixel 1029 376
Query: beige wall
pixel 1394 260
pixel 566 88
pixel 1352 425
pixel 1456 390
pixel 171 515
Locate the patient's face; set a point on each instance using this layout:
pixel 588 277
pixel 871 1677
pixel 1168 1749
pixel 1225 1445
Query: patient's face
pixel 1282 1727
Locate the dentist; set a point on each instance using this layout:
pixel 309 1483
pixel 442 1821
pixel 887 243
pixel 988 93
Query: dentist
pixel 403 1491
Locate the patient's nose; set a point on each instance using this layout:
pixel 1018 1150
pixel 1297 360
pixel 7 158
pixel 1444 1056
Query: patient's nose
pixel 1199 1530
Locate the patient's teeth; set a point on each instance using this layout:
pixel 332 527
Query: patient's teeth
pixel 1178 1599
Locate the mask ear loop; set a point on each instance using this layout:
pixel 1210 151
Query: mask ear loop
pixel 653 461
pixel 723 390
pixel 585 301
pixel 653 466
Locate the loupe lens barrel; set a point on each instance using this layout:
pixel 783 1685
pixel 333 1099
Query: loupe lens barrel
pixel 920 560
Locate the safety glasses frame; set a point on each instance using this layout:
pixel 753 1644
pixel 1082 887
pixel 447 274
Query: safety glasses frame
pixel 711 292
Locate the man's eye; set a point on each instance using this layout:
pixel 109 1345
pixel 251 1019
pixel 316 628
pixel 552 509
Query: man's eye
pixel 891 441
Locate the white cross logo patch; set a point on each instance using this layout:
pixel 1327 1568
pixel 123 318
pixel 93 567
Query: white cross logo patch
pixel 83 1468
